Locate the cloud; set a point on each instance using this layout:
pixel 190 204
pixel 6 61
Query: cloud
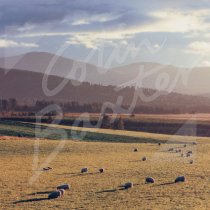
pixel 85 16
pixel 199 47
pixel 178 21
pixel 205 63
pixel 4 43
pixel 80 22
pixel 125 25
pixel 98 18
pixel 91 24
pixel 156 46
pixel 37 12
pixel 95 39
pixel 166 22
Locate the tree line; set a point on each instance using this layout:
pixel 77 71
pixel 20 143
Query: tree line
pixel 12 105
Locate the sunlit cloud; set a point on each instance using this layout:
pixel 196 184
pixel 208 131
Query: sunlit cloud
pixel 80 22
pixel 168 21
pixel 10 43
pixel 205 63
pixel 92 19
pixel 94 39
pixel 85 25
pixel 199 47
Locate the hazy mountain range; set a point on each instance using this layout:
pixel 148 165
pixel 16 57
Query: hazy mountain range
pixel 21 77
pixel 150 75
pixel 26 86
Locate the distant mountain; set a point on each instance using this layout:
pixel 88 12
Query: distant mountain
pixel 26 86
pixel 195 81
pixel 154 76
pixel 41 62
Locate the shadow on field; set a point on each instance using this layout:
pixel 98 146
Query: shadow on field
pixel 109 190
pixel 41 193
pixel 112 190
pixel 135 161
pixel 167 183
pixel 30 200
pixel 67 174
pixel 121 187
pixel 78 174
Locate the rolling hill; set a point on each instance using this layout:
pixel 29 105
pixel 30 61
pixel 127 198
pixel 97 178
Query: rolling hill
pixel 193 81
pixel 27 86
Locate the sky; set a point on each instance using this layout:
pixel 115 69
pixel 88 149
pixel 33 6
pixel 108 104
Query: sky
pixel 109 33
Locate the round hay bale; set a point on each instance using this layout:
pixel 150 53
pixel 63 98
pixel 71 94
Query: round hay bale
pixel 180 179
pixel 84 170
pixel 144 158
pixel 54 195
pixel 101 170
pixel 64 187
pixel 149 180
pixel 128 185
pixel 47 168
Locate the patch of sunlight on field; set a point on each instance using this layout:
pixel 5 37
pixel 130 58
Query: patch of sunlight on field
pixel 100 191
pixel 137 134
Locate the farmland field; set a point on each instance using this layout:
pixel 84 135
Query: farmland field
pixel 101 191
pixel 150 123
pixel 104 105
pixel 24 185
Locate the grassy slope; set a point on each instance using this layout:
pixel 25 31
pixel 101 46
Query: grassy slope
pixel 91 134
pixel 28 130
pixel 131 134
pixel 164 124
pixel 100 191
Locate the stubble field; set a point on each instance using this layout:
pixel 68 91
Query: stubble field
pixel 101 191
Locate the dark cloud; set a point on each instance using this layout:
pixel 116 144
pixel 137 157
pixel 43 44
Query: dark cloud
pixel 52 12
pixel 21 12
pixel 49 14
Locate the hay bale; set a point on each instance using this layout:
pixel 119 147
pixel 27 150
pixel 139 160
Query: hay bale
pixel 180 179
pixel 101 170
pixel 149 180
pixel 47 168
pixel 128 185
pixel 144 158
pixel 55 194
pixel 188 155
pixel 64 187
pixel 84 170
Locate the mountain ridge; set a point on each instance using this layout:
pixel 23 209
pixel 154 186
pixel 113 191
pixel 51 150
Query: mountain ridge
pixel 191 81
pixel 27 86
